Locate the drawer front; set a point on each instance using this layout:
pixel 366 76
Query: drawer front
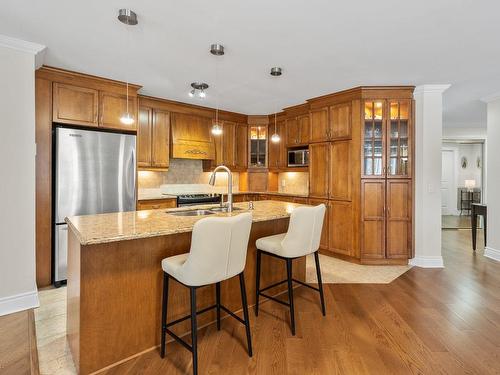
pixel 156 204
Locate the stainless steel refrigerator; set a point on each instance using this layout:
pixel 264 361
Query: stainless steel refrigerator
pixel 95 172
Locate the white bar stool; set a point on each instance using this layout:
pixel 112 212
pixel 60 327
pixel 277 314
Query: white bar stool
pixel 218 252
pixel 302 238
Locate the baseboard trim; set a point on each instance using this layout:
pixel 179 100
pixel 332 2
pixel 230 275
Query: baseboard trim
pixel 492 253
pixel 427 262
pixel 19 302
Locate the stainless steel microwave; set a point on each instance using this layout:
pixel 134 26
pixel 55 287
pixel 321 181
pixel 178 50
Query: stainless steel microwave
pixel 298 157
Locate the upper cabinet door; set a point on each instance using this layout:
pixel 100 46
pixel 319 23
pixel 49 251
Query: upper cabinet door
pixel 160 143
pixel 340 121
pixel 373 139
pixel 292 132
pixel 75 105
pixel 113 107
pixel 319 162
pixel 241 146
pixel 304 124
pixel 144 134
pixel 228 143
pixel 320 130
pixel 399 136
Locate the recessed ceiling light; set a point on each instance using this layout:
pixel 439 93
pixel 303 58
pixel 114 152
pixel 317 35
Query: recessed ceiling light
pixel 127 16
pixel 217 49
pixel 276 71
pixel 198 89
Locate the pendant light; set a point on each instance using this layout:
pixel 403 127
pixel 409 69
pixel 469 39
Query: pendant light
pixel 129 18
pixel 216 50
pixel 275 138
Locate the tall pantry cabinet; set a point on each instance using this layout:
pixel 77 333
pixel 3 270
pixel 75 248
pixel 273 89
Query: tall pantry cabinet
pixel 361 165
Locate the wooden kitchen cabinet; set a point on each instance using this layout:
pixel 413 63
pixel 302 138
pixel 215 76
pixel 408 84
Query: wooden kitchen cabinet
pixel 229 144
pixel 144 137
pixel 155 204
pixel 192 137
pixel 399 139
pixel 320 127
pixel 304 124
pixel 341 228
pixel 292 132
pixel 340 179
pixel 277 151
pixel 153 138
pixel 75 105
pixel 340 121
pixel 297 130
pixel 324 244
pixel 373 219
pixel 112 107
pixel 241 144
pixel 398 219
pixel 319 165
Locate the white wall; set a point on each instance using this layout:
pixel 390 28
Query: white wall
pixel 428 142
pixel 17 170
pixel 493 182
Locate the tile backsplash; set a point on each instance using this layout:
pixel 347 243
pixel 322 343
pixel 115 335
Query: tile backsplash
pixel 181 171
pixel 293 183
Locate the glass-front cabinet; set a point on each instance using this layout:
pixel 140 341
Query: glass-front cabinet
pixel 386 138
pixel 258 146
pixel 373 139
pixel 399 136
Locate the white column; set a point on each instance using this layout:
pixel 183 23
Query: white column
pixel 18 60
pixel 427 175
pixel 493 172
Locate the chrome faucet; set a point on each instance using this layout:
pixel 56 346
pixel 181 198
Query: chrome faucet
pixel 229 185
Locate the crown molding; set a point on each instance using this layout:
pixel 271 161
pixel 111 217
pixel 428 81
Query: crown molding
pixel 21 45
pixel 431 89
pixel 491 98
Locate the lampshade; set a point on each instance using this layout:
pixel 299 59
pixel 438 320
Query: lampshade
pixel 470 184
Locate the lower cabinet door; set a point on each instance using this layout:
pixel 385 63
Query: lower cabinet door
pixel 325 233
pixel 341 227
pixel 399 224
pixel 373 219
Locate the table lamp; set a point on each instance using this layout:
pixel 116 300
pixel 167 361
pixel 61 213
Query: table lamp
pixel 470 184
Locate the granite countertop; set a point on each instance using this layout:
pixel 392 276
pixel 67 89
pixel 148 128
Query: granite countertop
pixel 121 226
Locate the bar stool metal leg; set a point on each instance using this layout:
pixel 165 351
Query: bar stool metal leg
pixel 320 283
pixel 194 330
pixel 257 283
pixel 217 299
pixel 290 294
pixel 245 313
pixel 164 314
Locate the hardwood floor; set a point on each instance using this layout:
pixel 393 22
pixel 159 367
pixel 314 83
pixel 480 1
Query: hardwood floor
pixel 428 321
pixel 18 353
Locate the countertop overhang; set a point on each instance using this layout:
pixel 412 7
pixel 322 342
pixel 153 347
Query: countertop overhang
pixel 122 226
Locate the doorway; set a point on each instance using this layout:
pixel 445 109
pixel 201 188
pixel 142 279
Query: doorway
pixel 462 181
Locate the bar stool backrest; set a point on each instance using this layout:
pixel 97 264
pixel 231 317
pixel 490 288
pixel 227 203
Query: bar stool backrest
pixel 218 249
pixel 304 231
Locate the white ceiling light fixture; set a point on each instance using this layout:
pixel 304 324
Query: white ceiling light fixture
pixel 216 50
pixel 198 90
pixel 129 18
pixel 275 138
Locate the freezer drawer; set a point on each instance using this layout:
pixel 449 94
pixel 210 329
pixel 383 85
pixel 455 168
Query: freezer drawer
pixel 61 252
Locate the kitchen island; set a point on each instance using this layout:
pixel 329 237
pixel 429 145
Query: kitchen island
pixel 115 278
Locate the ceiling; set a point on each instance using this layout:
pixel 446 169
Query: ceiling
pixel 323 46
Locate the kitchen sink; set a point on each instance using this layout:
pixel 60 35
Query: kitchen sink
pixel 191 213
pixel 223 209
